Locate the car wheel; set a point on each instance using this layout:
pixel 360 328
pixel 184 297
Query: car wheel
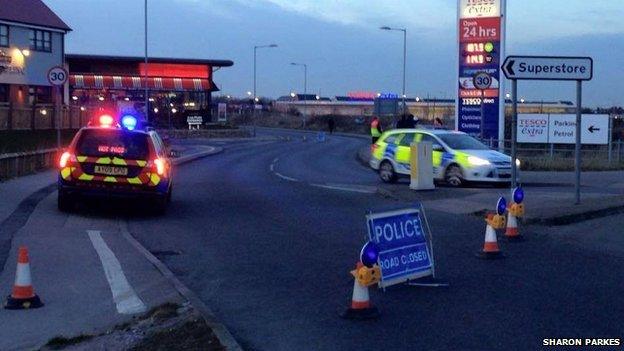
pixel 65 202
pixel 453 176
pixel 386 172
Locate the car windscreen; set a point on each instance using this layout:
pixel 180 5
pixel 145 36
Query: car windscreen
pixel 462 142
pixel 113 142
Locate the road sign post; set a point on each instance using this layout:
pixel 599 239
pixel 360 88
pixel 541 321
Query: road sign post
pixel 549 68
pixel 482 81
pixel 577 146
pixel 514 136
pixel 57 76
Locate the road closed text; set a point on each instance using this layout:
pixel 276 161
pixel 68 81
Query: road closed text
pixel 582 342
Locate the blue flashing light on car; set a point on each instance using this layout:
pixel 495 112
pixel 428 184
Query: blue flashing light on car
pixel 129 122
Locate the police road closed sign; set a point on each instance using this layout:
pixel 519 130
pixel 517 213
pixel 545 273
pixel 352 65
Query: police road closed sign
pixel 404 251
pixel 57 75
pixel 548 68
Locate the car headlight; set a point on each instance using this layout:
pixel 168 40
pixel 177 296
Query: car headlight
pixel 476 161
pixel 518 163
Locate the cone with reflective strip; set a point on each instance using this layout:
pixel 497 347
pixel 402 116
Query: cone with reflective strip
pixel 23 295
pixel 511 232
pixel 361 307
pixel 490 246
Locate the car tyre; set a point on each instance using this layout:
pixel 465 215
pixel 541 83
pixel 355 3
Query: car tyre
pixel 387 173
pixel 65 202
pixel 453 176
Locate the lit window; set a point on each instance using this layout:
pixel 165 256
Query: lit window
pixel 40 40
pixel 4 35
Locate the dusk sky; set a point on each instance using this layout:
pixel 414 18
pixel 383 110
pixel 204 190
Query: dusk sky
pixel 342 45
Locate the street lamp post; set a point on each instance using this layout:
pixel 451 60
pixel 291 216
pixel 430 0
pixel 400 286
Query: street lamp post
pixel 404 30
pixel 145 69
pixel 305 89
pixel 255 96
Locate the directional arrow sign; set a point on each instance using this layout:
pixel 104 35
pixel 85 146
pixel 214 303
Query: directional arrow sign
pixel 548 68
pixel 592 129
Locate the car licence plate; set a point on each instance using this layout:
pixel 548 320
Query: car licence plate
pixel 110 170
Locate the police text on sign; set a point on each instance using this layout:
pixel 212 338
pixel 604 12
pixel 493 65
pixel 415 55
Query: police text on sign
pixel 403 247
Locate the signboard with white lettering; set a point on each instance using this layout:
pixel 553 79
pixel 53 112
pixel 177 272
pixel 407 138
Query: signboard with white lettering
pixel 548 68
pixel 194 120
pixel 561 129
pixel 404 251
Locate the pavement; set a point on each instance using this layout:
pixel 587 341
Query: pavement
pixel 264 235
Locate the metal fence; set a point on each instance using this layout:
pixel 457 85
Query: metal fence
pixel 18 164
pixel 612 152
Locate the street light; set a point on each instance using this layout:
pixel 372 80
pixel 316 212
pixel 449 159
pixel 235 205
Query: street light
pixel 404 30
pixel 254 64
pixel 305 89
pixel 255 96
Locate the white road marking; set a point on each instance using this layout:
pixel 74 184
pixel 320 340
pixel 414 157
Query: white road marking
pixel 345 188
pixel 125 297
pixel 290 179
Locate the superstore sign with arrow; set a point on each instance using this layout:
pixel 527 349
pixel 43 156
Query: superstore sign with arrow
pixel 479 52
pixel 561 129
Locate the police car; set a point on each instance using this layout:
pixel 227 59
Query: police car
pixel 115 158
pixel 457 157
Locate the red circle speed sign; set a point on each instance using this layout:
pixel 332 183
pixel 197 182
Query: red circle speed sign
pixel 57 75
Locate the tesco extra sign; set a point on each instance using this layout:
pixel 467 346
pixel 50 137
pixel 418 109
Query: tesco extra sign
pixel 479 8
pixel 532 128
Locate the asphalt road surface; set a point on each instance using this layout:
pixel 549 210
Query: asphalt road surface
pixel 266 232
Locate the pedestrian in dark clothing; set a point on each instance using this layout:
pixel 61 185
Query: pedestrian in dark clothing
pixel 402 123
pixel 437 122
pixel 331 124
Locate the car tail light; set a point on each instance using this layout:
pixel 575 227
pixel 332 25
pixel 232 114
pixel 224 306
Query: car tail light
pixel 373 148
pixel 159 164
pixel 66 159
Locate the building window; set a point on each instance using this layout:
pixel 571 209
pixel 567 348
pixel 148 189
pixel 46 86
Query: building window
pixel 40 40
pixel 4 35
pixel 4 93
pixel 40 95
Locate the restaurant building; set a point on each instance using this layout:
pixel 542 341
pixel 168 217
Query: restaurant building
pixel 177 88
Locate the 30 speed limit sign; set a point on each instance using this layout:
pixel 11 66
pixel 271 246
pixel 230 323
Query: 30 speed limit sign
pixel 482 80
pixel 57 75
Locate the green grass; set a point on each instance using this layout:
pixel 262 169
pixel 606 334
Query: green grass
pixel 31 140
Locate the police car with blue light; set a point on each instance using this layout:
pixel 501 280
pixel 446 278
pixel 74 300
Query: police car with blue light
pixel 457 157
pixel 115 156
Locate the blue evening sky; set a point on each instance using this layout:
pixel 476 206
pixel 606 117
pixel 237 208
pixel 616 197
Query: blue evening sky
pixel 342 45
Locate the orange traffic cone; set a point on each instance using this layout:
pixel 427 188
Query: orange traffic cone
pixel 23 295
pixel 361 308
pixel 511 232
pixel 490 247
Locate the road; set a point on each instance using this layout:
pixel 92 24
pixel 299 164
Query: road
pixel 266 232
pixel 271 255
